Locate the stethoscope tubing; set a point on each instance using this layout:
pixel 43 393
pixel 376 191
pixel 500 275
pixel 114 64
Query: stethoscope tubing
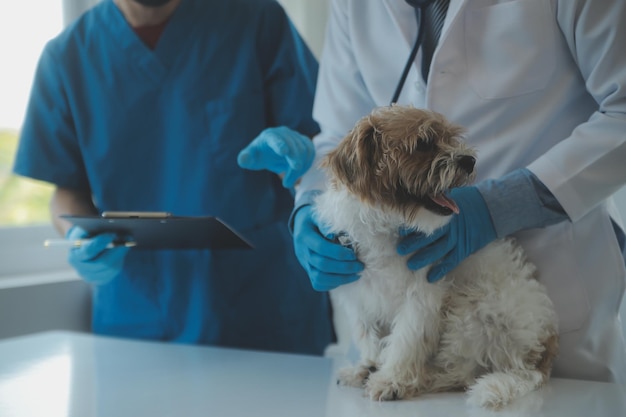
pixel 419 12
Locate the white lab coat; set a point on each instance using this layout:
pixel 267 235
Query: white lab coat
pixel 538 84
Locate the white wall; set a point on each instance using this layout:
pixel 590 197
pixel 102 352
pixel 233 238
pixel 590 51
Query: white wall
pixel 61 305
pixel 309 17
pixel 74 8
pixel 38 289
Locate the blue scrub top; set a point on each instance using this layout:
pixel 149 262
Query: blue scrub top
pixel 160 131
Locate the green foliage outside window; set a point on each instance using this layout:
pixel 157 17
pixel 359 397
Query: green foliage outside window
pixel 22 201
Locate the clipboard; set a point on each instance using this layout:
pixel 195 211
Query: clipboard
pixel 166 232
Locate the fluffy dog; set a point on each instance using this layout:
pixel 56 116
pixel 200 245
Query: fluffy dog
pixel 487 327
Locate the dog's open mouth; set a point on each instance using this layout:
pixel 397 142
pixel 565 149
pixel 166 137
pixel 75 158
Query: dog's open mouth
pixel 442 204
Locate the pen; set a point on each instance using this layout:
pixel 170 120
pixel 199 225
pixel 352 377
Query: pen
pixel 78 243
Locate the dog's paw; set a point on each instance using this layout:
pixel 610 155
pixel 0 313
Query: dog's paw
pixel 485 396
pixel 498 389
pixel 381 387
pixel 354 376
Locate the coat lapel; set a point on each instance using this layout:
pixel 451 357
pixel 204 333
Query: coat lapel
pixel 403 16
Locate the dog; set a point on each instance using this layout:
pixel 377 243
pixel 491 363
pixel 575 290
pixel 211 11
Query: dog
pixel 488 327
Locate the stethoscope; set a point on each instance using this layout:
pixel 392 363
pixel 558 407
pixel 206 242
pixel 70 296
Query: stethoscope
pixel 419 6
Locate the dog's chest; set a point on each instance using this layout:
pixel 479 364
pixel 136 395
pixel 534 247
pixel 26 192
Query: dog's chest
pixel 384 285
pixel 373 234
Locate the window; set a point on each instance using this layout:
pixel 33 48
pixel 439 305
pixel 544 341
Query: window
pixel 23 201
pixel 25 27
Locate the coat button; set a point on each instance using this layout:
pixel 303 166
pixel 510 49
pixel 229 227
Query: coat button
pixel 419 86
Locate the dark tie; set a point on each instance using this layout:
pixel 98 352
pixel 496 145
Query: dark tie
pixel 435 14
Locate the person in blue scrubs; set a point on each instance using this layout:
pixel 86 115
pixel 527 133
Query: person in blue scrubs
pixel 145 105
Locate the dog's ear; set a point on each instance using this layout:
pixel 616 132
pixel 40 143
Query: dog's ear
pixel 353 161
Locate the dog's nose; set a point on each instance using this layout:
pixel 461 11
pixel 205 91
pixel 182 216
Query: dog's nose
pixel 467 162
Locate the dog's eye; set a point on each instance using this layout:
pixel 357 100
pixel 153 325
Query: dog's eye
pixel 425 146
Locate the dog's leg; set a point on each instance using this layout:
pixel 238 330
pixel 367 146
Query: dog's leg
pixel 413 340
pixel 368 340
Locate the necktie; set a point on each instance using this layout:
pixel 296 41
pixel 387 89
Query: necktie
pixel 435 14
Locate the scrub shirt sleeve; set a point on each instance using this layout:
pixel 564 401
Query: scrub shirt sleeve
pixel 290 72
pixel 341 99
pixel 587 167
pixel 48 149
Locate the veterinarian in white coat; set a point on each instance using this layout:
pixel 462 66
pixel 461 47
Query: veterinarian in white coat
pixel 540 86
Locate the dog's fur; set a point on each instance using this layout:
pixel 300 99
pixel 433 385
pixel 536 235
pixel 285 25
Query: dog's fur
pixel 487 327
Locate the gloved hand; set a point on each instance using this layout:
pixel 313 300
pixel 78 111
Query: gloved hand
pixel 328 263
pixel 467 232
pixel 94 260
pixel 280 150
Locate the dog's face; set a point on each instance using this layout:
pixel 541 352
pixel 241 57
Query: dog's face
pixel 403 159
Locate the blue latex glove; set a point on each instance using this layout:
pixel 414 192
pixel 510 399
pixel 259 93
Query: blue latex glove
pixel 328 263
pixel 280 150
pixel 94 260
pixel 467 232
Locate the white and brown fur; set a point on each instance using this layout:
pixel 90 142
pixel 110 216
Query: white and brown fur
pixel 488 327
